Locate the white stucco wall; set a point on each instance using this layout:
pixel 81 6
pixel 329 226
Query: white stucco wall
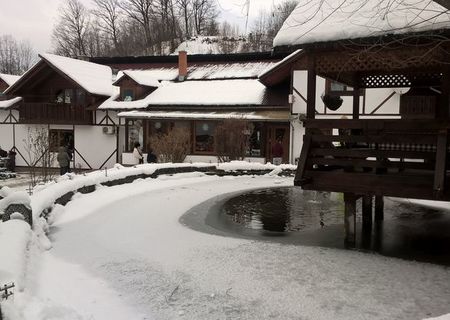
pixel 6 132
pixel 94 146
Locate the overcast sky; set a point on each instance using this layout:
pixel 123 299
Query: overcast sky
pixel 33 20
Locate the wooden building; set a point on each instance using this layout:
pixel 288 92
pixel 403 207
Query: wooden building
pixel 197 93
pixel 60 95
pixel 407 156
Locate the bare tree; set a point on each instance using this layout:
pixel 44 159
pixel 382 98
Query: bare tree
pixel 142 12
pixel 15 57
pixel 70 33
pixel 203 11
pixel 41 160
pixel 109 14
pixel 185 11
pixel 267 25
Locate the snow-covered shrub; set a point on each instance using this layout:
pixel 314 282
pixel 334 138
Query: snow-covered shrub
pixel 173 146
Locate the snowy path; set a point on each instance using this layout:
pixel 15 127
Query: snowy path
pixel 120 253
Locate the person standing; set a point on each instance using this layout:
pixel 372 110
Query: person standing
pixel 151 157
pixel 137 154
pixel 63 160
pixel 277 152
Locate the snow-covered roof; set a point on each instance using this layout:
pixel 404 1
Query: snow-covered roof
pixel 255 115
pixel 319 21
pixel 198 93
pixel 228 70
pixel 5 104
pixel 144 77
pixel 94 78
pixel 217 92
pixel 238 70
pixel 9 78
pixel 277 65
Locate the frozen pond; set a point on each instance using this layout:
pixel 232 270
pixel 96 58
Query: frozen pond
pixel 291 215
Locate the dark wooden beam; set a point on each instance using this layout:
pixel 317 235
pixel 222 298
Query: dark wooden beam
pixel 356 97
pixel 441 164
pixel 367 211
pixel 311 94
pixel 379 208
pixel 444 103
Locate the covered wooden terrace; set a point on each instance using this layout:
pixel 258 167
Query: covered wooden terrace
pixel 407 157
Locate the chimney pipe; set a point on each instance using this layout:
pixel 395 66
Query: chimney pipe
pixel 182 65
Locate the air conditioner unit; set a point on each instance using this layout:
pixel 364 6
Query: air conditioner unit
pixel 109 130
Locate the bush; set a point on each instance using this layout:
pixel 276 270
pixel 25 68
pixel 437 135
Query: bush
pixel 173 146
pixel 231 137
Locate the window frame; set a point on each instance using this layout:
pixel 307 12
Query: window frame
pixel 60 135
pixel 345 92
pixel 194 138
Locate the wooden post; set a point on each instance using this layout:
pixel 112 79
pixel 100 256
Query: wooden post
pixel 379 208
pixel 350 218
pixel 356 97
pixel 367 212
pixel 311 94
pixel 441 164
pixel 443 111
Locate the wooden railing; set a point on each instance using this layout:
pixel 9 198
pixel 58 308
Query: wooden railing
pixel 405 158
pixel 54 113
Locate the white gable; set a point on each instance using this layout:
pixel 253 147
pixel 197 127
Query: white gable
pixel 94 78
pixel 318 21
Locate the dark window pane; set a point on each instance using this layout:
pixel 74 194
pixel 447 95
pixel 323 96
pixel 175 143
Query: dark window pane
pixel 204 136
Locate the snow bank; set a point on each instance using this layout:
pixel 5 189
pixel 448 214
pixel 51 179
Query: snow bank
pixel 14 238
pixel 45 196
pixel 242 166
pixel 444 317
pixel 19 197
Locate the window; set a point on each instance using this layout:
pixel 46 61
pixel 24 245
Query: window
pixel 135 133
pixel 81 96
pixel 68 96
pixel 256 143
pixel 128 94
pixel 339 89
pixel 58 138
pixel 204 137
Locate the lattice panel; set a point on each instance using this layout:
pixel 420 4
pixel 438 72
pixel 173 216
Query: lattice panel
pixel 389 81
pixel 348 60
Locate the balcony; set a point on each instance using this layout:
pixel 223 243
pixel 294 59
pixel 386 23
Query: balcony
pixel 399 158
pixel 54 113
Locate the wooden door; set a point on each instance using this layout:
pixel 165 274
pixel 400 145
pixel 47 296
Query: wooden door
pixel 275 131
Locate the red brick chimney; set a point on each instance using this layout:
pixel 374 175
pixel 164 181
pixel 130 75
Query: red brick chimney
pixel 182 65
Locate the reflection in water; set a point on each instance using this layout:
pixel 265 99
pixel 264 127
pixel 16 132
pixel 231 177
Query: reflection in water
pixel 316 218
pixel 284 209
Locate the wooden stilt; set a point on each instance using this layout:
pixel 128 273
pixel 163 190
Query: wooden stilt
pixel 350 218
pixel 379 208
pixel 367 211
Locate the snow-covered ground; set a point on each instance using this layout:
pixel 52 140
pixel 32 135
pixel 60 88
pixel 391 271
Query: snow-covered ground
pixel 121 253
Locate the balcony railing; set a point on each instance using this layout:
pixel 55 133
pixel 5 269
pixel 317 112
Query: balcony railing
pixel 402 158
pixel 54 113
